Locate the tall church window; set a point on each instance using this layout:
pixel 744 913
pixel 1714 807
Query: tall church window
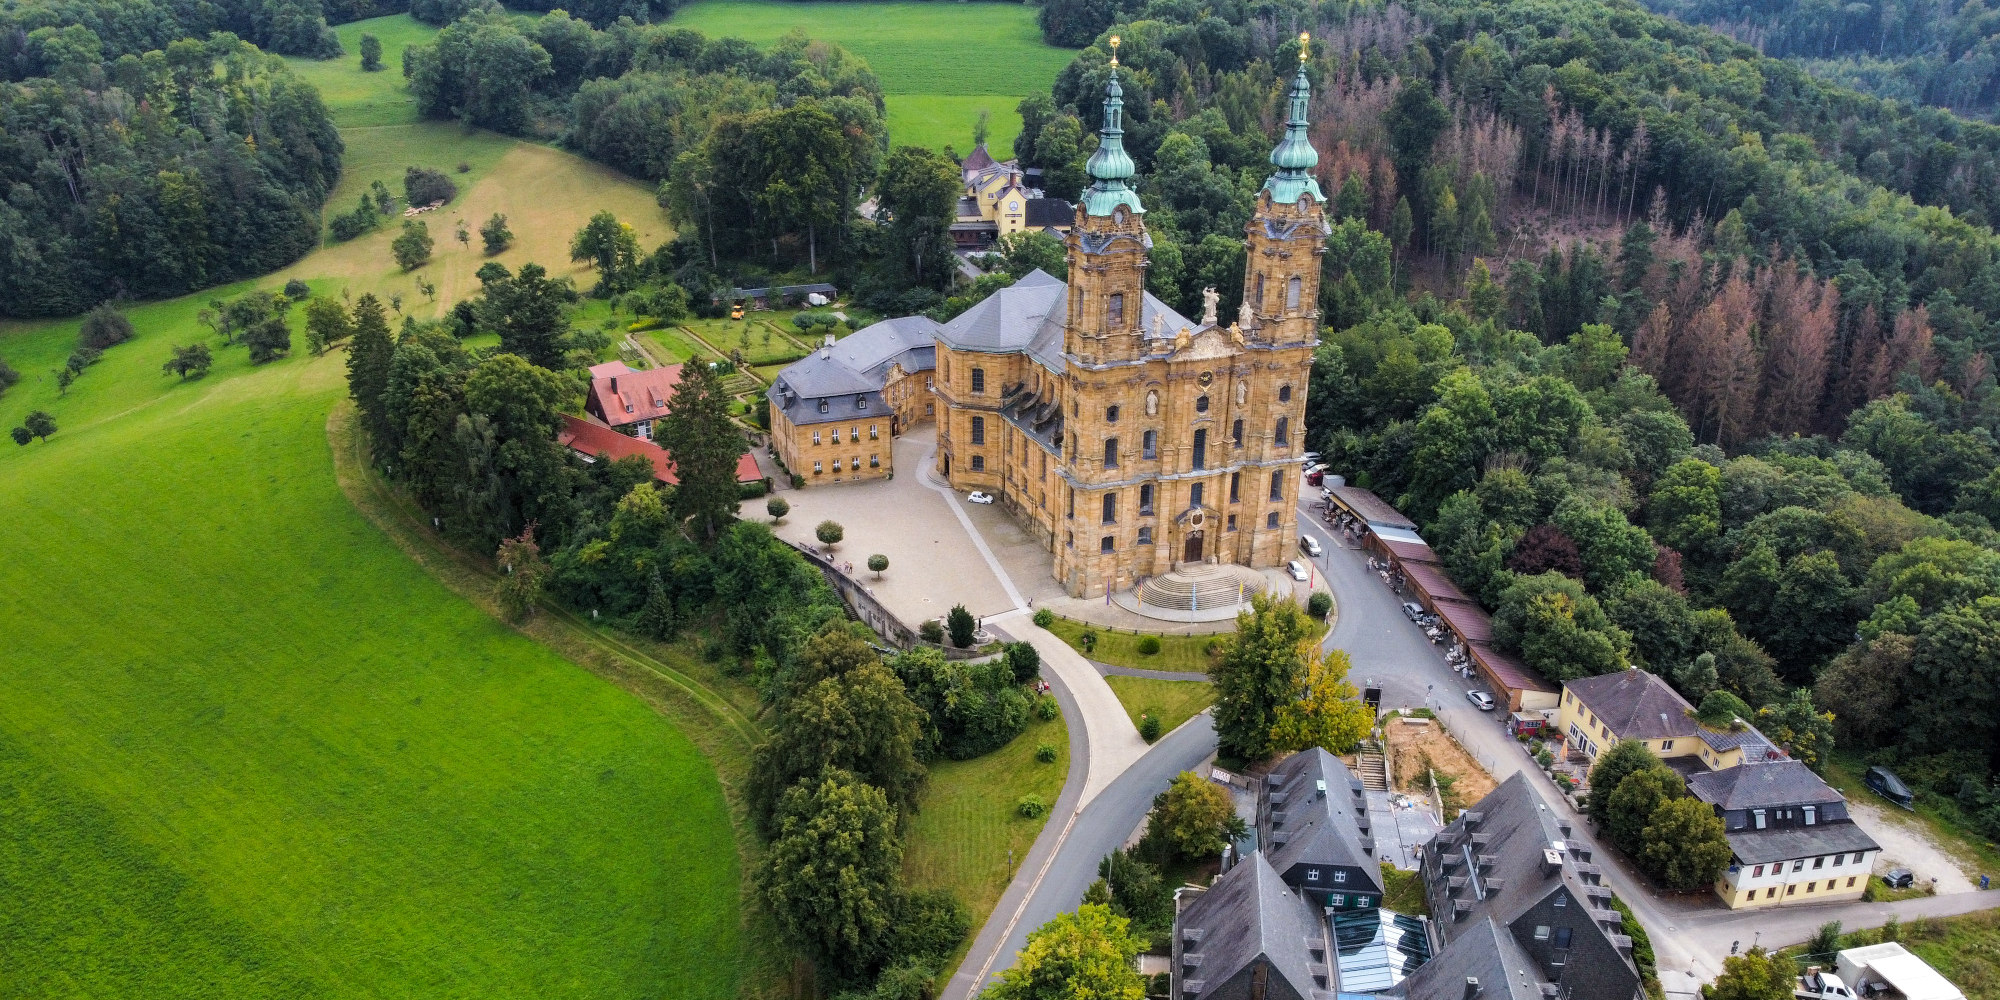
pixel 1258 296
pixel 1194 495
pixel 1292 288
pixel 979 380
pixel 1282 434
pixel 1201 448
pixel 1110 453
pixel 1149 445
pixel 1277 486
pixel 1115 312
pixel 978 430
pixel 1236 433
pixel 1145 499
pixel 1110 508
pixel 1235 480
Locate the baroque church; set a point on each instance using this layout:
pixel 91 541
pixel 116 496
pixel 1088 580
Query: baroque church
pixel 1130 437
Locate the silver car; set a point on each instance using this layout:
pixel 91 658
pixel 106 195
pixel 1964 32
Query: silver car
pixel 1480 700
pixel 1298 570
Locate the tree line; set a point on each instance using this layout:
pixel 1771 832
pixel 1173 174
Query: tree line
pixel 154 175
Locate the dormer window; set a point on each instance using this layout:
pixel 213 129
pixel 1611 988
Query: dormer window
pixel 823 406
pixel 1340 876
pixel 861 402
pixel 1312 874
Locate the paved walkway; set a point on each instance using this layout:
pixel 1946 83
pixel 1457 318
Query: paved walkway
pixel 1112 670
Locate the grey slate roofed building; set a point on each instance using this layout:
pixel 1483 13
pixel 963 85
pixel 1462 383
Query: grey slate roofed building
pixel 1636 704
pixel 1249 936
pixel 1779 810
pixel 1312 819
pixel 1028 316
pixel 1509 860
pixel 844 381
pixel 1483 963
pixel 1047 212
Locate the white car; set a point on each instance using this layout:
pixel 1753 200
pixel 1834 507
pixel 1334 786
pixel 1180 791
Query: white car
pixel 978 497
pixel 1480 700
pixel 1297 569
pixel 1310 546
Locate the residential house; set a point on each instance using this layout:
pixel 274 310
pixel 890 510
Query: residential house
pixel 1507 866
pixel 1790 836
pixel 629 400
pixel 1001 199
pixel 1312 820
pixel 1634 704
pixel 1484 962
pixel 1250 936
pixel 591 441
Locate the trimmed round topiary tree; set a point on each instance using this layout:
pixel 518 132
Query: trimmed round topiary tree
pixel 829 533
pixel 1031 806
pixel 1320 604
pixel 777 507
pixel 1149 728
pixel 1149 645
pixel 1044 618
pixel 878 562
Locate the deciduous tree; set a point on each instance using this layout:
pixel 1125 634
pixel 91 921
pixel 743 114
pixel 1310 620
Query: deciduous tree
pixel 831 875
pixel 1085 954
pixel 1327 712
pixel 1258 673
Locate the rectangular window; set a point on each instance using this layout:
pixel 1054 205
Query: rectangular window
pixel 1772 891
pixel 1312 874
pixel 1791 889
pixel 1666 745
pixel 1361 901
pixel 1277 485
pixel 979 463
pixel 816 469
pixel 1110 508
pixel 1839 859
pixel 1819 863
pixel 875 460
pixel 836 465
pixel 1201 448
pixel 1799 865
pixel 1145 536
pixel 1541 932
pixel 978 380
pixel 1235 480
pixel 1850 881
pixel 834 435
pixel 1145 499
pixel 1115 314
pixel 1336 900
pixel 1340 876
pixel 815 437
pixel 1757 872
pixel 1562 937
pixel 1110 453
pixel 1232 522
pixel 1812 815
pixel 1194 495
pixel 1104 544
pixel 1810 886
pixel 873 433
pixel 978 430
pixel 854 433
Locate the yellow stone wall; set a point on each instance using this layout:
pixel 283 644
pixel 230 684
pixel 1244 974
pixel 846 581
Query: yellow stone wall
pixel 867 440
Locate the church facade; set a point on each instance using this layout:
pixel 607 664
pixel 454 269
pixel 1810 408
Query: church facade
pixel 1130 438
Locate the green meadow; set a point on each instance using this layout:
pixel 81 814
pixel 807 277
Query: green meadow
pixel 940 63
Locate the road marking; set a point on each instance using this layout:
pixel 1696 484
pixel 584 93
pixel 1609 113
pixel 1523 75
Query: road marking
pixel 1015 920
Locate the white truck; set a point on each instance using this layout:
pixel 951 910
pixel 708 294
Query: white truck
pixel 1884 971
pixel 1818 984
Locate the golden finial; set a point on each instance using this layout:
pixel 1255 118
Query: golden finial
pixel 1305 45
pixel 1114 50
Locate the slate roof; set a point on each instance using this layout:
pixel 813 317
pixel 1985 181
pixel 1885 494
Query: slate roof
pixel 1756 847
pixel 1247 913
pixel 1485 952
pixel 853 370
pixel 1044 212
pixel 630 396
pixel 1771 784
pixel 1324 829
pixel 1028 317
pixel 1637 705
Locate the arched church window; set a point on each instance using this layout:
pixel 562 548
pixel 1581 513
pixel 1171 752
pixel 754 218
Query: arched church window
pixel 1110 453
pixel 1201 404
pixel 1292 288
pixel 1282 436
pixel 1258 295
pixel 1284 394
pixel 1149 445
pixel 1115 312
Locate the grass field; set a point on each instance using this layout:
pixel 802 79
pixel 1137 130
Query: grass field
pixel 940 64
pixel 1187 653
pixel 1965 950
pixel 367 99
pixel 967 822
pixel 1174 702
pixel 248 749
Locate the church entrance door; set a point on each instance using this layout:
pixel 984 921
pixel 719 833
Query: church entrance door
pixel 1193 553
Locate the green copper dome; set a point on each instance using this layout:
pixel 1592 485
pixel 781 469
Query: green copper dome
pixel 1110 166
pixel 1294 156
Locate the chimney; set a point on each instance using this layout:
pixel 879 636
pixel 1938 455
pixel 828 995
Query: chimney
pixel 614 385
pixel 1471 987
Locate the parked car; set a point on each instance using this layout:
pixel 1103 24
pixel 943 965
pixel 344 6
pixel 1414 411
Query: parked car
pixel 1298 570
pixel 978 497
pixel 1900 878
pixel 1885 783
pixel 1480 700
pixel 1310 545
pixel 1310 457
pixel 1413 611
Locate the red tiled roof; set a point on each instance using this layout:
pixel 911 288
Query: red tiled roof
pixel 628 397
pixel 1508 672
pixel 591 439
pixel 1407 552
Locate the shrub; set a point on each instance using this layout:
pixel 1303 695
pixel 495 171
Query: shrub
pixel 297 291
pixel 1149 645
pixel 371 54
pixel 961 625
pixel 1320 604
pixel 1046 753
pixel 422 186
pixel 1088 640
pixel 931 631
pixel 104 327
pixel 1024 661
pixel 1046 708
pixel 1149 728
pixel 1031 806
pixel 1044 618
pixel 1215 647
pixel 464 167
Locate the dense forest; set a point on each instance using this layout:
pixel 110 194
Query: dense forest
pixel 1944 53
pixel 151 175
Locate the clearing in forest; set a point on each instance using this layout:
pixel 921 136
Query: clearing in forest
pixel 940 63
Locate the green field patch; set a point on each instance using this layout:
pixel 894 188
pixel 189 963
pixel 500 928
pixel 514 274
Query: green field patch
pixel 1187 653
pixel 939 63
pixel 1172 702
pixel 967 822
pixel 670 346
pixel 357 97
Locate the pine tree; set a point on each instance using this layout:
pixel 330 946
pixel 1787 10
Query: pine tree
pixel 705 446
pixel 656 617
pixel 368 359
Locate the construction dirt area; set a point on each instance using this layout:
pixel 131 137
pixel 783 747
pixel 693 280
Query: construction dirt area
pixel 1418 745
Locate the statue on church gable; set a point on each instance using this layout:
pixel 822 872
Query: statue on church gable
pixel 1209 298
pixel 1245 316
pixel 1158 323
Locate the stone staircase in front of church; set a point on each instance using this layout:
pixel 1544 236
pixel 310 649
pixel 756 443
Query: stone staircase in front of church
pixel 1202 587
